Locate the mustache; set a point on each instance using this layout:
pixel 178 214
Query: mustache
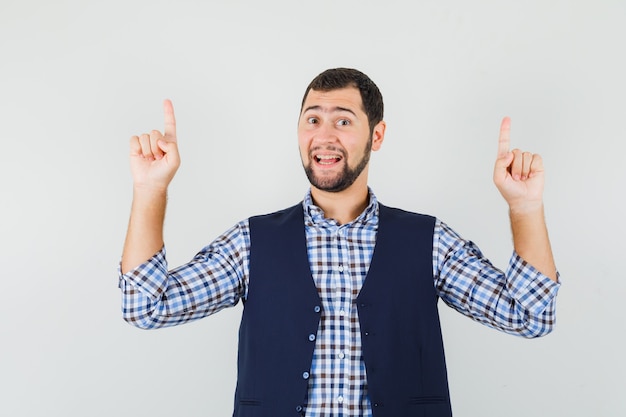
pixel 334 149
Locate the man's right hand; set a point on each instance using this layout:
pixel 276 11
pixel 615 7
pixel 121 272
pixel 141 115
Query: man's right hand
pixel 154 157
pixel 154 160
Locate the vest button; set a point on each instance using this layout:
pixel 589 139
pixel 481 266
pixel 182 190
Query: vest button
pixel 311 337
pixel 299 409
pixel 317 309
pixel 305 375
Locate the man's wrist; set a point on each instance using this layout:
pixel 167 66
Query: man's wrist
pixel 149 192
pixel 526 209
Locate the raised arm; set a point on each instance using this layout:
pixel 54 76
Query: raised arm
pixel 154 159
pixel 519 176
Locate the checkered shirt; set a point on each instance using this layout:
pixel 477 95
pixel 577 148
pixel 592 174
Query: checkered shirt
pixel 520 302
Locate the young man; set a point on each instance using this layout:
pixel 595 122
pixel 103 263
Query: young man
pixel 340 292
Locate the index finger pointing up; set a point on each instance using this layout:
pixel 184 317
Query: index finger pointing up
pixel 170 120
pixel 504 141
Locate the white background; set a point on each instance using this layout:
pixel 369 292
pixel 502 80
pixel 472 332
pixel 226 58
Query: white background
pixel 78 78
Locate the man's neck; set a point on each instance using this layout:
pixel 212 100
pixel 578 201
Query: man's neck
pixel 343 206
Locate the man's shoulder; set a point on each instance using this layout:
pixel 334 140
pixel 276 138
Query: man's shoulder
pixel 396 212
pixel 279 215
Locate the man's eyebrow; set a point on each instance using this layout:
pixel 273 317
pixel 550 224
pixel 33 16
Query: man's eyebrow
pixel 330 110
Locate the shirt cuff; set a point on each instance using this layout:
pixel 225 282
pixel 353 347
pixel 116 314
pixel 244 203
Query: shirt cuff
pixel 150 278
pixel 533 290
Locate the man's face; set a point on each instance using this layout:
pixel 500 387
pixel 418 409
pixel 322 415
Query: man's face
pixel 334 138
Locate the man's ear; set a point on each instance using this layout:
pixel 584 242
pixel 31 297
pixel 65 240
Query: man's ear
pixel 378 135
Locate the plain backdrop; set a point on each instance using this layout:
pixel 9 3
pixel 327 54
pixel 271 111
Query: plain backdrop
pixel 78 78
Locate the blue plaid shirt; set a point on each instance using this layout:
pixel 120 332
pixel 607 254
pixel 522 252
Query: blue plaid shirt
pixel 520 302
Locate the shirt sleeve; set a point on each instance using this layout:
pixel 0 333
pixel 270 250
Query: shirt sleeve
pixel 216 278
pixel 521 301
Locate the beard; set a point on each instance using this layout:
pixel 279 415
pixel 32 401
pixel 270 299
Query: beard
pixel 343 179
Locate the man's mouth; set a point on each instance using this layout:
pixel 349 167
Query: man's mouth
pixel 327 159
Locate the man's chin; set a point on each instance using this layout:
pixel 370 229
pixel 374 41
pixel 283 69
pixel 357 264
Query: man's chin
pixel 329 184
pixel 331 181
pixel 335 186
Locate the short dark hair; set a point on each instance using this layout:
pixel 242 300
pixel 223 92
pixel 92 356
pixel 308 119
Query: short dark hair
pixel 336 78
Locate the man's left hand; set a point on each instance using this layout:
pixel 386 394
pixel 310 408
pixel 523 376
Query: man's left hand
pixel 518 175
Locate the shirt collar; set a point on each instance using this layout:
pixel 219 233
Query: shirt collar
pixel 315 215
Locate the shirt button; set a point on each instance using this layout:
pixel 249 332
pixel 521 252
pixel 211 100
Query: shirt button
pixel 340 399
pixel 311 337
pixel 340 269
pixel 341 355
pixel 305 375
pixel 342 312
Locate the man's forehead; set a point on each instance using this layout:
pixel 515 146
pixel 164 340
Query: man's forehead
pixel 343 99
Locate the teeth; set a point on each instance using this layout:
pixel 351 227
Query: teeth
pixel 327 159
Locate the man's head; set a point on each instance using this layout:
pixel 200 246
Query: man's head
pixel 340 124
pixel 338 78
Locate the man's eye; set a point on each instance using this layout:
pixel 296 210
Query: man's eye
pixel 343 122
pixel 312 120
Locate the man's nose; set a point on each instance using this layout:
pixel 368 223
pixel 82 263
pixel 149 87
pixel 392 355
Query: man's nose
pixel 327 133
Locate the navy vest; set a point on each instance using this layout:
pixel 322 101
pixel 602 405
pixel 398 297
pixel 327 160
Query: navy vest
pixel 397 306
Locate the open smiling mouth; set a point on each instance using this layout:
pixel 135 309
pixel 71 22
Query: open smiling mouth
pixel 327 159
